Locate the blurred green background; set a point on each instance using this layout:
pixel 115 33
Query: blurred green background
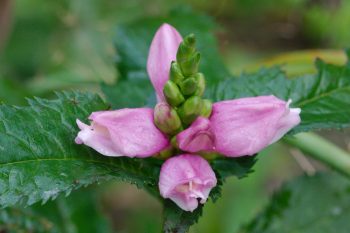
pixel 54 45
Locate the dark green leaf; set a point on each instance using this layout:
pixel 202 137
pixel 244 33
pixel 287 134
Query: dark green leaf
pixel 239 167
pixel 324 97
pixel 40 160
pixel 306 205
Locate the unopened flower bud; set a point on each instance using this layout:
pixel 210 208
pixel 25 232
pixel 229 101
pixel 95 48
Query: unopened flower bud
pixel 190 110
pixel 173 94
pixel 175 73
pixel 200 80
pixel 186 48
pixel 206 109
pixel 190 66
pixel 166 119
pixel 188 86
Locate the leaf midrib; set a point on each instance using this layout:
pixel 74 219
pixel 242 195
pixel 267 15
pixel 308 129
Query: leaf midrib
pixel 323 95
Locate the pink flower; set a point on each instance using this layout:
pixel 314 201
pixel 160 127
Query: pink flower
pixel 125 132
pixel 246 126
pixel 161 53
pixel 242 126
pixel 198 137
pixel 234 128
pixel 185 179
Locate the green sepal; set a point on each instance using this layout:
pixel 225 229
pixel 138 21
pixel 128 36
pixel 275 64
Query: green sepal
pixel 173 142
pixel 175 73
pixel 166 153
pixel 206 109
pixel 190 110
pixel 173 94
pixel 190 66
pixel 166 119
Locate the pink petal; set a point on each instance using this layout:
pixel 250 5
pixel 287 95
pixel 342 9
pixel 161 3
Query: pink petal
pixel 185 179
pixel 246 126
pixel 198 137
pixel 161 53
pixel 125 132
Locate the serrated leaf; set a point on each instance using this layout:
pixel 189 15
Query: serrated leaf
pixel 238 167
pixel 306 205
pixel 132 42
pixel 39 159
pixel 324 97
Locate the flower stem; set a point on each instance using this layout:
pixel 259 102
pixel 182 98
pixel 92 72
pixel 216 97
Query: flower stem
pixel 322 150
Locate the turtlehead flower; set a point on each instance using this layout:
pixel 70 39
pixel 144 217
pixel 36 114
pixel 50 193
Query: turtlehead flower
pixel 231 128
pixel 125 132
pixel 246 126
pixel 186 179
pixel 240 127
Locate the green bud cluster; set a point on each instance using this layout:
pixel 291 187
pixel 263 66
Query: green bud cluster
pixel 183 93
pixel 184 90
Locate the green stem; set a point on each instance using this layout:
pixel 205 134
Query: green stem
pixel 322 150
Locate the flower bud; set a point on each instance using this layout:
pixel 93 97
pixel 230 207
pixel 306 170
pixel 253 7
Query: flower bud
pixel 188 86
pixel 172 94
pixel 190 66
pixel 206 109
pixel 175 73
pixel 186 48
pixel 200 80
pixel 166 119
pixel 190 110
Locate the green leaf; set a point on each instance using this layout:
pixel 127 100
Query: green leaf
pixel 239 167
pixel 308 204
pixel 324 97
pixel 132 43
pixel 40 160
pixel 177 220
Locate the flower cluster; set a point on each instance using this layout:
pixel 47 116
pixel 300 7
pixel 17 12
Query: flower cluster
pixel 183 126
